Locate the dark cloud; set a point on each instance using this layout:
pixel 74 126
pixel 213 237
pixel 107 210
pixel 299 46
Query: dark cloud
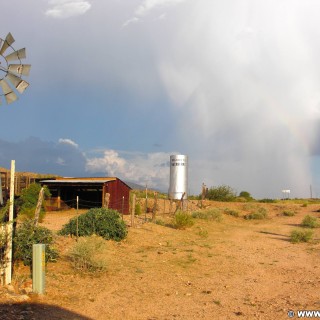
pixel 35 155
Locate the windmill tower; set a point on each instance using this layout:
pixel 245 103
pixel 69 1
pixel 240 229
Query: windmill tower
pixel 12 70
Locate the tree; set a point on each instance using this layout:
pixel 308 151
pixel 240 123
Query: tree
pixel 27 202
pixel 221 193
pixel 246 195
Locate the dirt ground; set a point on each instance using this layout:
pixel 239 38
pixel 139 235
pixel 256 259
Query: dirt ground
pixel 232 269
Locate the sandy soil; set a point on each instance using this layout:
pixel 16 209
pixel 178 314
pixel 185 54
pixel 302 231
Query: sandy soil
pixel 233 269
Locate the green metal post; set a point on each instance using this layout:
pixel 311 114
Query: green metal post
pixel 38 268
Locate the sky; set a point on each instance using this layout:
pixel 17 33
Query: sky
pixel 117 86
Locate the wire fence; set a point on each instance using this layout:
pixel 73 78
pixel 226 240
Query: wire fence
pixel 148 205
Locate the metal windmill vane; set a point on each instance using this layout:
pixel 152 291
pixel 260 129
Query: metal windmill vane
pixel 12 70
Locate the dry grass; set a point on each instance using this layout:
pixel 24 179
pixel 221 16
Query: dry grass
pixel 212 270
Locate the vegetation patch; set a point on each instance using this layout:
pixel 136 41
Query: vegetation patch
pixel 208 214
pixel 26 236
pixel 221 193
pixel 160 222
pixel 310 222
pixel 88 254
pixel 103 222
pixel 202 233
pixel 298 236
pixel 288 213
pixel 231 212
pixel 259 214
pixel 182 220
pixel 267 200
pixel 27 202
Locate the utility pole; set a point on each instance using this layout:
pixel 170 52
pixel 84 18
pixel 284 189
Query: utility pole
pixel 8 271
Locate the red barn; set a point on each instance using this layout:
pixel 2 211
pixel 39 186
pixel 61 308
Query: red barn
pixel 90 192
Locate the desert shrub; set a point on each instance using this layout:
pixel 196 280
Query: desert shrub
pixel 297 236
pixel 27 202
pixel 310 222
pixel 182 220
pixel 100 221
pixel 249 206
pixel 208 214
pixel 288 213
pixel 26 236
pixel 231 212
pixel 88 254
pixel 221 193
pixel 202 233
pixel 304 205
pixel 259 214
pixel 267 200
pixel 4 237
pixel 137 209
pixel 160 222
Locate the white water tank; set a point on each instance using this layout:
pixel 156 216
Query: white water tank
pixel 178 177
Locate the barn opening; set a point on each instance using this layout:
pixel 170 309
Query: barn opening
pixel 88 193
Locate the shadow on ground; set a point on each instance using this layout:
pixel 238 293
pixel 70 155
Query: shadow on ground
pixel 30 311
pixel 278 236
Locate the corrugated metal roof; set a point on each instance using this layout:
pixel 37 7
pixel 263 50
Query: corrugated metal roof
pixel 79 180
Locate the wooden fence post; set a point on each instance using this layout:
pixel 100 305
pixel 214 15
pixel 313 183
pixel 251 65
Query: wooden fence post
pixel 38 207
pixel 154 206
pixel 133 209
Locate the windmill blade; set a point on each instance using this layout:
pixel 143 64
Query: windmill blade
pixel 20 69
pixel 18 83
pixel 16 55
pixel 9 95
pixel 7 43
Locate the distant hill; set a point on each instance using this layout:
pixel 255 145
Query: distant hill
pixel 136 186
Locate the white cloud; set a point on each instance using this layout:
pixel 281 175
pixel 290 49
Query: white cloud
pixel 148 5
pixel 67 8
pixel 141 168
pixel 68 142
pixel 132 20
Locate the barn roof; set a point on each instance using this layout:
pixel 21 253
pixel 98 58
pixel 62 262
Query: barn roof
pixel 84 181
pixel 79 180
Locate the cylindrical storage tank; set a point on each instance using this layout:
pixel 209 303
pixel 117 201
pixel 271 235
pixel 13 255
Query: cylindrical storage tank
pixel 178 177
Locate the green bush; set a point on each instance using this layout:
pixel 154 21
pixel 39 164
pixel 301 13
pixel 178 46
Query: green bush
pixel 221 193
pixel 160 222
pixel 103 222
pixel 182 220
pixel 26 236
pixel 208 214
pixel 137 209
pixel 259 214
pixel 310 222
pixel 288 213
pixel 88 254
pixel 28 200
pixel 267 200
pixel 297 236
pixel 231 212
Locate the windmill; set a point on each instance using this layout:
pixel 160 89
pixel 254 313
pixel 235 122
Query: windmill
pixel 12 70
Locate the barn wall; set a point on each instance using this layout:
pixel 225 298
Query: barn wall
pixel 119 195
